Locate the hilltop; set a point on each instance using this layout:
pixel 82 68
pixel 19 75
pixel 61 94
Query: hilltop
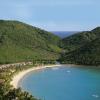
pixel 22 42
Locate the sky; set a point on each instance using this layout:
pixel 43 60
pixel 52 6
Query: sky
pixel 53 15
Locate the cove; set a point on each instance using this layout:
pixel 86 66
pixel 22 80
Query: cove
pixel 63 83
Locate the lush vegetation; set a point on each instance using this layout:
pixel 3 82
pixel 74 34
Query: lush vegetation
pixel 82 48
pixel 21 42
pixel 7 92
pixel 78 40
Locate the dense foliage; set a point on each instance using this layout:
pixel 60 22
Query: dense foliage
pixel 78 40
pixel 21 42
pixel 82 48
pixel 7 92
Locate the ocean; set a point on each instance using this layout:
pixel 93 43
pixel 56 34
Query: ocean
pixel 63 83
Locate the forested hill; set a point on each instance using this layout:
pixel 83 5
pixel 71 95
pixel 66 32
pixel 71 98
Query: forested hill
pixel 85 50
pixel 78 40
pixel 22 42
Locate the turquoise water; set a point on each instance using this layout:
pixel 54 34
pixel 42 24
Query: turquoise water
pixel 63 83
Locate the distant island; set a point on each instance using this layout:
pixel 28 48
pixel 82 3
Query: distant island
pixel 23 46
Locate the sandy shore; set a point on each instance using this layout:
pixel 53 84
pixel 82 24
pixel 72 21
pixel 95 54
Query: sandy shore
pixel 20 75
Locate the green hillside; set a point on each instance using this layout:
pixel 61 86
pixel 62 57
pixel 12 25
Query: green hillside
pixel 78 40
pixel 22 42
pixel 86 51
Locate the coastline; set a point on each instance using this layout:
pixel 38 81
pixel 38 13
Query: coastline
pixel 16 78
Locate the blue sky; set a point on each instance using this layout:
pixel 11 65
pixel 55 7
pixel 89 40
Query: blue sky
pixel 53 15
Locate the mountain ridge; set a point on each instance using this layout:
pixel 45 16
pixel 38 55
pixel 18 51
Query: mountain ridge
pixel 86 52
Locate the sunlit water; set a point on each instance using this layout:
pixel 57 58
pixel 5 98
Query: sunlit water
pixel 64 83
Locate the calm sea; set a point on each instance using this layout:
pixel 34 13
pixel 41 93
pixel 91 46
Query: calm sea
pixel 63 83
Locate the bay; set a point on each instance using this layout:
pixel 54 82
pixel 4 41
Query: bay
pixel 64 83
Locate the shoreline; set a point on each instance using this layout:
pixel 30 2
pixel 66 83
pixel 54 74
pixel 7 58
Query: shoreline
pixel 16 78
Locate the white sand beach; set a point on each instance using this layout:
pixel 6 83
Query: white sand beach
pixel 20 75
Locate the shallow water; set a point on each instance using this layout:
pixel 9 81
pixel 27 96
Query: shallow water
pixel 63 83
